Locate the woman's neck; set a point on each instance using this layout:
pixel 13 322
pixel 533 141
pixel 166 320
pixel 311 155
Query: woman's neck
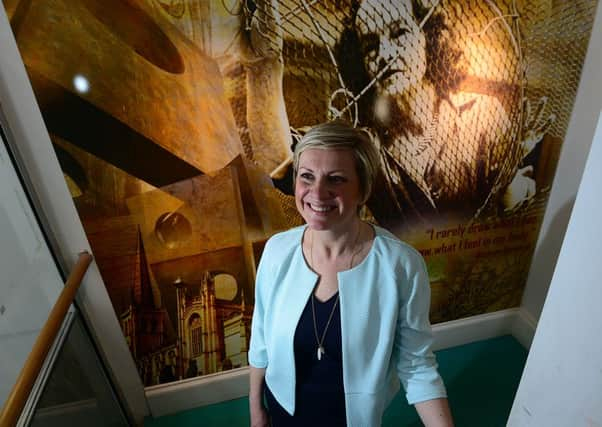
pixel 334 243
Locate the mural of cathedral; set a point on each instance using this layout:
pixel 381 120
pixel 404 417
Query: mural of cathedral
pixel 212 335
pixel 185 311
pixel 174 123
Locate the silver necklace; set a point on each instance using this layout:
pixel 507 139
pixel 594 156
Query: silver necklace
pixel 320 341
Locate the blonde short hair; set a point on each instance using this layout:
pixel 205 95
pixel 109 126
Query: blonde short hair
pixel 339 135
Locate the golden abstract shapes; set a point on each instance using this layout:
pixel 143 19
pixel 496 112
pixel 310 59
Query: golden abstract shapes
pixel 153 98
pixel 175 8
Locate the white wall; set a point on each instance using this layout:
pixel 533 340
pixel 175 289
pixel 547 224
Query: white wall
pixel 568 175
pixel 562 381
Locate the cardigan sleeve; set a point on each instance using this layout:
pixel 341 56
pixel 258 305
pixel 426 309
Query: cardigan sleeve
pixel 416 364
pixel 258 356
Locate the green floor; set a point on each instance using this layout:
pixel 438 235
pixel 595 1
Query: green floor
pixel 481 380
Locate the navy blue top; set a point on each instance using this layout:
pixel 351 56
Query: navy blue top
pixel 320 396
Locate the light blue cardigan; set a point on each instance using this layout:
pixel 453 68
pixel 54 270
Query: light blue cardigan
pixel 385 329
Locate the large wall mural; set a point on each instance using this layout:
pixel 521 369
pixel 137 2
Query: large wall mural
pixel 174 123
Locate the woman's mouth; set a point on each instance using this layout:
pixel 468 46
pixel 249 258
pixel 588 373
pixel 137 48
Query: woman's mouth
pixel 390 72
pixel 320 208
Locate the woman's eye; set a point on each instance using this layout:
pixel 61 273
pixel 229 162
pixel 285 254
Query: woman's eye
pixel 370 46
pixel 306 176
pixel 337 179
pixel 396 30
pixel 371 50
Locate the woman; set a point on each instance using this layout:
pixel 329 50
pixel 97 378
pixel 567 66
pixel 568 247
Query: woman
pixel 341 307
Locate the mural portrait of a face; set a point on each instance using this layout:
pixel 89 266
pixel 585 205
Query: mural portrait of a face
pixel 444 123
pixel 393 44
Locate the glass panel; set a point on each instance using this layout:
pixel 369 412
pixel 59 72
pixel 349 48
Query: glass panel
pixel 30 282
pixel 78 391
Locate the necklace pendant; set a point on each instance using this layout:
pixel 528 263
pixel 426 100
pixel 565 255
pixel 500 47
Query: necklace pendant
pixel 320 352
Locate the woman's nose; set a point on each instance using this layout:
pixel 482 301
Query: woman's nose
pixel 320 189
pixel 387 52
pixel 381 63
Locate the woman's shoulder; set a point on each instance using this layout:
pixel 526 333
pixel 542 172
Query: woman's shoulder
pixel 285 241
pixel 279 248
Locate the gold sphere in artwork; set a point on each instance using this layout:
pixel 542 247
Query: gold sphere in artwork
pixel 173 229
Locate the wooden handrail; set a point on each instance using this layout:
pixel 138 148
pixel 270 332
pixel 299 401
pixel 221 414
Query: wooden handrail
pixel 20 392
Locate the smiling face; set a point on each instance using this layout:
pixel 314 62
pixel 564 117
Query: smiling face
pixel 390 35
pixel 327 189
